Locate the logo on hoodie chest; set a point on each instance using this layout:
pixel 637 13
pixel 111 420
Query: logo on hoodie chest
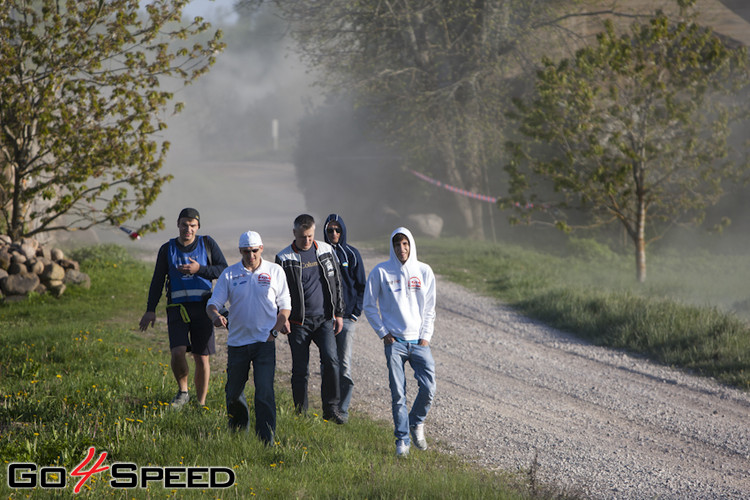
pixel 415 284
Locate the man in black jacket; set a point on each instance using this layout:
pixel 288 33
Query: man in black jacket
pixel 312 273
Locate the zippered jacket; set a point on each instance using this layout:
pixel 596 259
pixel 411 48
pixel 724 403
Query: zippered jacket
pixel 291 262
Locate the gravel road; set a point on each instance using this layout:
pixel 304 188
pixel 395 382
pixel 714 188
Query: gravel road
pixel 599 422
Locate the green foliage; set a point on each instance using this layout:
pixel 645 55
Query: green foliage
pixel 589 249
pixel 80 106
pixel 101 255
pixel 634 129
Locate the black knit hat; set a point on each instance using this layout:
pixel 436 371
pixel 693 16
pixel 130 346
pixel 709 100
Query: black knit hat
pixel 190 213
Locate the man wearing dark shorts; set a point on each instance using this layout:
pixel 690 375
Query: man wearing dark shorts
pixel 187 264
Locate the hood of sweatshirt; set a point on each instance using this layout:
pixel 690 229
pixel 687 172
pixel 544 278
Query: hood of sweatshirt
pixel 335 218
pixel 412 259
pixel 343 251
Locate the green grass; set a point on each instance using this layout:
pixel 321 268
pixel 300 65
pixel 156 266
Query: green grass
pixel 75 373
pixel 691 313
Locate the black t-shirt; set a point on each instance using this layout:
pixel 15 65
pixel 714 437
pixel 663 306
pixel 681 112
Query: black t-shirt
pixel 312 283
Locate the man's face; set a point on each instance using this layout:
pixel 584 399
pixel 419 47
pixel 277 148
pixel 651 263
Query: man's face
pixel 333 230
pixel 304 238
pixel 251 256
pixel 402 249
pixel 188 228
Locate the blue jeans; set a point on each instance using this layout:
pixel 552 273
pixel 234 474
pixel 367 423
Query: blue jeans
pixel 344 348
pixel 320 331
pixel 420 359
pixel 262 355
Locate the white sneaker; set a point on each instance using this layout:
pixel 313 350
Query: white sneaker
pixel 180 399
pixel 417 436
pixel 402 449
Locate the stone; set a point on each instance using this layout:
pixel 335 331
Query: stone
pixel 75 277
pixel 53 272
pixel 17 257
pixel 3 273
pixel 31 243
pixel 44 252
pixel 35 266
pixel 4 259
pixel 28 251
pixel 16 268
pixel 57 254
pixel 430 225
pixel 68 264
pixel 19 284
pixel 57 290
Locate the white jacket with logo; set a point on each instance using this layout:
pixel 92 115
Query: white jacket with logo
pixel 400 298
pixel 254 299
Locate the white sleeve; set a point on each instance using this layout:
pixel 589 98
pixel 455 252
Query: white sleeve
pixel 370 303
pixel 220 294
pixel 283 298
pixel 428 310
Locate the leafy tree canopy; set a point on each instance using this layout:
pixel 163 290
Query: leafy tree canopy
pixel 81 102
pixel 635 129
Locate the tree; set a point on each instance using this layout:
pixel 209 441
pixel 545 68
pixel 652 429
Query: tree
pixel 634 129
pixel 81 104
pixel 428 71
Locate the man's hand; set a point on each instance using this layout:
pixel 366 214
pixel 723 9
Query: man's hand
pixel 283 326
pixel 338 325
pixel 424 342
pixel 389 339
pixel 219 321
pixel 190 268
pixel 148 319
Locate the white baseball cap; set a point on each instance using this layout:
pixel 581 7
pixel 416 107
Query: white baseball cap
pixel 250 239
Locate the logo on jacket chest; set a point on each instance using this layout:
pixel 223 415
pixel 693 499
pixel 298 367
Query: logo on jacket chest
pixel 415 284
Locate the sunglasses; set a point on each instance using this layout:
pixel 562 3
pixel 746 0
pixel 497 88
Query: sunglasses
pixel 331 230
pixel 249 250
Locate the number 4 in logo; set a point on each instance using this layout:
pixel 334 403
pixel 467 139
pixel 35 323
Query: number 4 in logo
pixel 86 474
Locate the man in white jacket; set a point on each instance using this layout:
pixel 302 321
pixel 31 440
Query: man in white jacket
pixel 399 303
pixel 259 307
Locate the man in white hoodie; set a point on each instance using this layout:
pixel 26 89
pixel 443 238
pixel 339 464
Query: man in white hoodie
pixel 399 303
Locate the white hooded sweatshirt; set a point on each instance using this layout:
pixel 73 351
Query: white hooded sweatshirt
pixel 400 298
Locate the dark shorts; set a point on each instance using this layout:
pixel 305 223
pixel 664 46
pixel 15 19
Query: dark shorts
pixel 198 335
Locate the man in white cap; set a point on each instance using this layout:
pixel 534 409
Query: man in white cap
pixel 259 308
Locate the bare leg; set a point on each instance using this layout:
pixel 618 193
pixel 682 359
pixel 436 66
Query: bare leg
pixel 180 367
pixel 202 373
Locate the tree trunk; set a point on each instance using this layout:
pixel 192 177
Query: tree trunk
pixel 470 211
pixel 640 242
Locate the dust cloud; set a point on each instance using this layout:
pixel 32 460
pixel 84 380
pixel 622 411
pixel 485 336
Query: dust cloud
pixel 223 155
